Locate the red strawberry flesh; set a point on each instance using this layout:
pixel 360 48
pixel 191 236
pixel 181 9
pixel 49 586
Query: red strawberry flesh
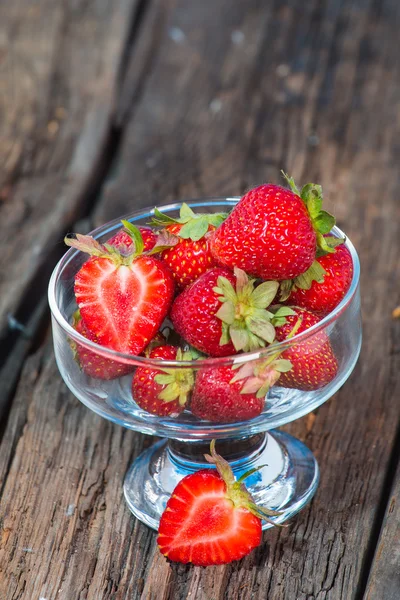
pixel 94 364
pixel 123 306
pixel 201 524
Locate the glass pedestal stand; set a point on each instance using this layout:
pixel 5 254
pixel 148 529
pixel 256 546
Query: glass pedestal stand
pixel 286 481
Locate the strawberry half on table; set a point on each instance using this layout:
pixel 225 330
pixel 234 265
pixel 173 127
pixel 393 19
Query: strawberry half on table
pixel 273 233
pixel 222 312
pixel 191 257
pixel 123 298
pixel 211 519
pixel 164 391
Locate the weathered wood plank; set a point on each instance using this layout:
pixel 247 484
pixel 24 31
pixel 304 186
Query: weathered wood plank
pixel 58 68
pixel 232 97
pixel 65 530
pixel 228 104
pixel 384 580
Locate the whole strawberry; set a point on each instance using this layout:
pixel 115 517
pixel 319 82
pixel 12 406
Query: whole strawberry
pixel 222 313
pixel 124 242
pixel 122 298
pixel 314 363
pixel 273 233
pixel 210 518
pixel 191 257
pixel 322 295
pixel 219 399
pixel 160 391
pixel 94 364
pixel 230 394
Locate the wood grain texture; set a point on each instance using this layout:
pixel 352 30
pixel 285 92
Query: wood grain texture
pixel 384 579
pixel 58 68
pixel 313 89
pixel 65 529
pixel 233 93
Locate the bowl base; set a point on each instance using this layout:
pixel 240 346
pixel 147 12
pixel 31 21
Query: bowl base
pixel 286 480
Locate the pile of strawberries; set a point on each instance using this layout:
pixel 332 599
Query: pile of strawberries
pixel 228 284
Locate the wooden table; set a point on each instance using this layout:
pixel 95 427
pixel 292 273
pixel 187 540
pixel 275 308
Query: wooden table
pixel 110 106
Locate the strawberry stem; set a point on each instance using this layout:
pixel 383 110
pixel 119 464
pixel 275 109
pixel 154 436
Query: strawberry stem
pixel 235 489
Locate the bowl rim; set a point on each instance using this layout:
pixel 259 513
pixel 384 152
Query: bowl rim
pixel 208 362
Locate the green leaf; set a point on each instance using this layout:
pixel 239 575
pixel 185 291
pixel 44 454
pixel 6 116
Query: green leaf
pixel 263 329
pixel 135 235
pixel 286 287
pixel 324 222
pixel 227 289
pixel 226 312
pixel 242 280
pixel 278 321
pixel 311 194
pixel 282 365
pixel 171 392
pixel 284 311
pixel 322 244
pixel 217 219
pixel 164 379
pixel 332 242
pixel 160 219
pixel 291 183
pixel 315 273
pixel 87 244
pixel 239 337
pixel 251 386
pixel 263 295
pixel 225 337
pixel 165 240
pixel 186 214
pixel 194 229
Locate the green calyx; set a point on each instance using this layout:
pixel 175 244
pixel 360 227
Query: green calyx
pixel 260 376
pixel 235 489
pixel 322 221
pixel 304 281
pixel 245 320
pixel 194 226
pixel 178 382
pixel 164 240
pixel 87 244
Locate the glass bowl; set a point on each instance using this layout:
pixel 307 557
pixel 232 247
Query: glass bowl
pixel 287 475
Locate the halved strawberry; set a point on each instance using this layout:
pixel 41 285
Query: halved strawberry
pixel 211 519
pixel 314 363
pixel 163 392
pixel 123 299
pixel 93 364
pixel 222 313
pixel 191 257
